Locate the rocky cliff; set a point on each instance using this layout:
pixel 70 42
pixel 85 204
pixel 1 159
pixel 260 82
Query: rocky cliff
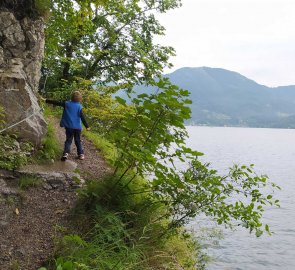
pixel 21 52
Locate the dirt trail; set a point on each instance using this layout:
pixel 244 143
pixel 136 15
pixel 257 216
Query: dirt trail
pixel 94 166
pixel 31 219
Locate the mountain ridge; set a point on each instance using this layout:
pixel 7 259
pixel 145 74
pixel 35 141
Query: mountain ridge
pixel 226 98
pixel 221 97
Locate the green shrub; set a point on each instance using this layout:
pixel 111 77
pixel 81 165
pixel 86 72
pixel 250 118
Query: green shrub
pixel 13 154
pixel 50 147
pixel 2 116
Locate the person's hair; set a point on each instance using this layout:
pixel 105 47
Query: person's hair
pixel 76 96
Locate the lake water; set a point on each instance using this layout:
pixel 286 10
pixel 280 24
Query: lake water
pixel 273 153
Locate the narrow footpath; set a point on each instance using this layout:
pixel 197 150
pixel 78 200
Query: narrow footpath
pixel 31 219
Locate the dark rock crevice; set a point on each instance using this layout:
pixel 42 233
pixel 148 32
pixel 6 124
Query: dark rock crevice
pixel 21 8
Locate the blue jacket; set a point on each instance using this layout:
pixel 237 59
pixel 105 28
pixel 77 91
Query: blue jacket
pixel 72 114
pixel 71 117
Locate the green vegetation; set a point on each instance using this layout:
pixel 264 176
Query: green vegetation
pixel 135 218
pixel 123 232
pixel 107 149
pixel 132 220
pixel 50 147
pixel 13 154
pixel 10 201
pixel 14 265
pixel 110 42
pixel 27 181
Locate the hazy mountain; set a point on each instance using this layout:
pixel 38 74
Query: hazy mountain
pixel 222 97
pixel 226 98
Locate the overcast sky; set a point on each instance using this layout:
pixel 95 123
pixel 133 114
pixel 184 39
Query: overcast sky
pixel 253 37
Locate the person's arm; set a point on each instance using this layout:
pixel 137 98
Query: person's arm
pixel 84 120
pixel 56 102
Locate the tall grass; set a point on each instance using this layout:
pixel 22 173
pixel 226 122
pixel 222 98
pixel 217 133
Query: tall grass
pixel 123 232
pixel 50 147
pixel 107 149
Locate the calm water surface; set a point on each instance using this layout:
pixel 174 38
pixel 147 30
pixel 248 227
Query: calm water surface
pixel 273 153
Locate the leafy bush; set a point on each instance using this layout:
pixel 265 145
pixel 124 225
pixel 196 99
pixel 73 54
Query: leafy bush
pixel 150 141
pixel 12 153
pixel 238 198
pixel 103 113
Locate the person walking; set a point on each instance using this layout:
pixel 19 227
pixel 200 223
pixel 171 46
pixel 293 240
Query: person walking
pixel 72 119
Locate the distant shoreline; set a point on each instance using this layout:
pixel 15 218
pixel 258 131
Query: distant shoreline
pixel 190 125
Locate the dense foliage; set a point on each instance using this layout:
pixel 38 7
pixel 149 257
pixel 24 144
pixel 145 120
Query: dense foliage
pixel 100 47
pixel 151 139
pixel 109 42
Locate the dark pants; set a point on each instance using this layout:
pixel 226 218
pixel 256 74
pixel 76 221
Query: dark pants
pixel 76 134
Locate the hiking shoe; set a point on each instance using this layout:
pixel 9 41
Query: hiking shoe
pixel 81 157
pixel 64 157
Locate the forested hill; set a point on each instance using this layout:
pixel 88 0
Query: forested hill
pixel 221 97
pixel 225 98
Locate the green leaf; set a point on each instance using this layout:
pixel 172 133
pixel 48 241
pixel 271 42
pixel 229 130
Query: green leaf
pixel 120 100
pixel 68 266
pixel 267 229
pixel 258 233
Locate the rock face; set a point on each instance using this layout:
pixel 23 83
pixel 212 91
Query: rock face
pixel 21 53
